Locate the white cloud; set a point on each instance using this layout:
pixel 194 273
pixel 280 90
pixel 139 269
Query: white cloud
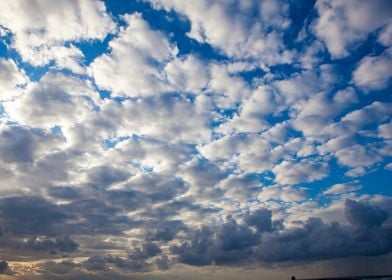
pixel 187 74
pixel 339 189
pixel 291 172
pixel 356 172
pixel 42 27
pixel 283 193
pixel 320 109
pixel 374 72
pixel 345 22
pixel 388 166
pixel 357 155
pixel 249 153
pixel 234 28
pixel 135 65
pixel 228 89
pixel 165 118
pixel 374 113
pixel 56 99
pixel 336 144
pixel 160 156
pixel 11 78
pixel 250 119
pixel 385 131
pixel 385 36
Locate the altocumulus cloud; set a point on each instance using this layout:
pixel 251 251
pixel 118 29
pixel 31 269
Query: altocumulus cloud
pixel 147 138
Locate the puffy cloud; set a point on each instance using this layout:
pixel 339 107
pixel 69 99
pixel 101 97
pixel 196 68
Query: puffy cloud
pixel 344 23
pixel 230 243
pixel 376 112
pixel 286 194
pixel 137 261
pixel 385 36
pixel 134 66
pixel 320 109
pixel 357 155
pixel 31 215
pixel 339 189
pixel 11 78
pixel 289 172
pixel 56 99
pixel 161 118
pixel 240 187
pixel 40 32
pixel 198 148
pixel 302 243
pixel 360 214
pixel 147 250
pixel 239 29
pixel 385 131
pixel 261 219
pixel 166 231
pixel 373 72
pixel 63 245
pixel 24 145
pixel 187 74
pixel 106 175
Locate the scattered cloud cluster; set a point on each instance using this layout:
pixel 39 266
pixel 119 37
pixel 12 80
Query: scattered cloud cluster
pixel 206 133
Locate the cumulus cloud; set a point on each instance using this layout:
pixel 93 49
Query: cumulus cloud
pixel 357 155
pixel 206 133
pixel 63 245
pixel 56 99
pixel 339 189
pixel 24 145
pixel 40 32
pixel 239 29
pixel 344 23
pixel 160 118
pixel 11 78
pixel 360 214
pixel 373 71
pixel 305 171
pixel 31 215
pixel 132 66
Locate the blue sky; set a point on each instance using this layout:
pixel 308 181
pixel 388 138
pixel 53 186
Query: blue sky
pixel 157 138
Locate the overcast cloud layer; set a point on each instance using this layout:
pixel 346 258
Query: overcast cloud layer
pixel 161 138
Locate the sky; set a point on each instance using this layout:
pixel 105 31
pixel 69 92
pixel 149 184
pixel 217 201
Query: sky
pixel 206 139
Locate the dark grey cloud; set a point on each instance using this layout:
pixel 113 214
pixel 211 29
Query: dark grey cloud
pixel 166 231
pixel 3 266
pixel 317 240
pixel 59 268
pixel 137 260
pixel 261 219
pixel 63 192
pixel 163 263
pixel 52 245
pixel 360 214
pixel 31 215
pixel 21 144
pixel 198 250
pixel 145 250
pixel 106 175
pixel 229 243
pixel 234 243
